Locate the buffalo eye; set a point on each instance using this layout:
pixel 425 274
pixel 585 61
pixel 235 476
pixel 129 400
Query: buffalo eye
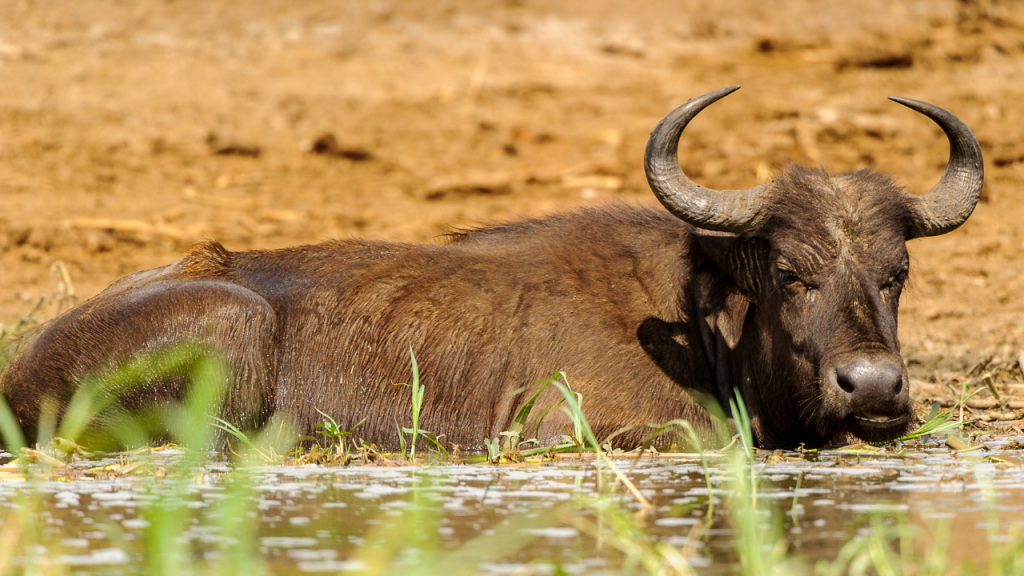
pixel 896 281
pixel 787 277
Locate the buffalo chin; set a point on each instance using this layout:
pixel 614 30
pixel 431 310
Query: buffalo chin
pixel 878 428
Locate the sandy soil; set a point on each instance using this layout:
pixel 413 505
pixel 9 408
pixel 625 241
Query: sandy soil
pixel 130 130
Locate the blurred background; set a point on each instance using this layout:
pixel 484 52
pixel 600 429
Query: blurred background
pixel 129 130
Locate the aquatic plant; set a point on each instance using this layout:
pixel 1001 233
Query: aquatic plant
pixel 417 406
pixel 942 422
pixel 515 438
pixel 236 433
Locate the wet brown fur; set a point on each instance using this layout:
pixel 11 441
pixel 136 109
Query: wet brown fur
pixel 643 313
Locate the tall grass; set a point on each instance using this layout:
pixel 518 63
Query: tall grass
pixel 511 444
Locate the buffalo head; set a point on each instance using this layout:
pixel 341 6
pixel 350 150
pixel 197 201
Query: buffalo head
pixel 820 261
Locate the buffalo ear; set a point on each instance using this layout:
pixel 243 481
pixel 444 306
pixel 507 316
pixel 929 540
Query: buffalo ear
pixel 743 258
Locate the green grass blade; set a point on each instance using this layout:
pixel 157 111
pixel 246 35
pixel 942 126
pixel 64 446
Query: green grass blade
pixel 240 436
pixel 739 410
pixel 576 413
pixel 190 423
pixel 544 414
pixel 525 453
pixel 327 417
pixel 435 440
pixel 417 403
pixel 14 438
pixel 942 422
pixel 523 415
pixel 401 437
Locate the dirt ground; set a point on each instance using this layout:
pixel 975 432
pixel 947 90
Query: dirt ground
pixel 129 130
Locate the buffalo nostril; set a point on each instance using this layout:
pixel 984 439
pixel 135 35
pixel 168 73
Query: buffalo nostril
pixel 865 378
pixel 844 381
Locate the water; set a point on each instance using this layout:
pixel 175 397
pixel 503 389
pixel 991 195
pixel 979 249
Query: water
pixel 510 518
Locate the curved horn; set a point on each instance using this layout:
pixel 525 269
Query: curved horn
pixel 952 200
pixel 721 210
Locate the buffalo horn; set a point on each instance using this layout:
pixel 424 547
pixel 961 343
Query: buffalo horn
pixel 952 200
pixel 735 211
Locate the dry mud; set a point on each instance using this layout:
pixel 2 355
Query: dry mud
pixel 130 130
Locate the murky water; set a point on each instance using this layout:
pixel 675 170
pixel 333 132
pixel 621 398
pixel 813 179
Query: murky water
pixel 504 519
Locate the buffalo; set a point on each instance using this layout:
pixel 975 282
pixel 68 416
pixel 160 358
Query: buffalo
pixel 787 293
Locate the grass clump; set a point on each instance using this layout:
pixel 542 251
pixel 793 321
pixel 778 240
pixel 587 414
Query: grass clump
pixel 512 444
pixel 942 422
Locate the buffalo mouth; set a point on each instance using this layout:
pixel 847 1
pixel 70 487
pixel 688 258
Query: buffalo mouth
pixel 878 427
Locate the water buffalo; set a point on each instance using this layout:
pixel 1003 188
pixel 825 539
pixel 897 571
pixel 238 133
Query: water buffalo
pixel 787 292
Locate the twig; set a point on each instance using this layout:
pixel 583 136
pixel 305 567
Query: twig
pixel 42 458
pixel 732 443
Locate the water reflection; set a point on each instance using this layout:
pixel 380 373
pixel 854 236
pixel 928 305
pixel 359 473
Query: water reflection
pixel 317 519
